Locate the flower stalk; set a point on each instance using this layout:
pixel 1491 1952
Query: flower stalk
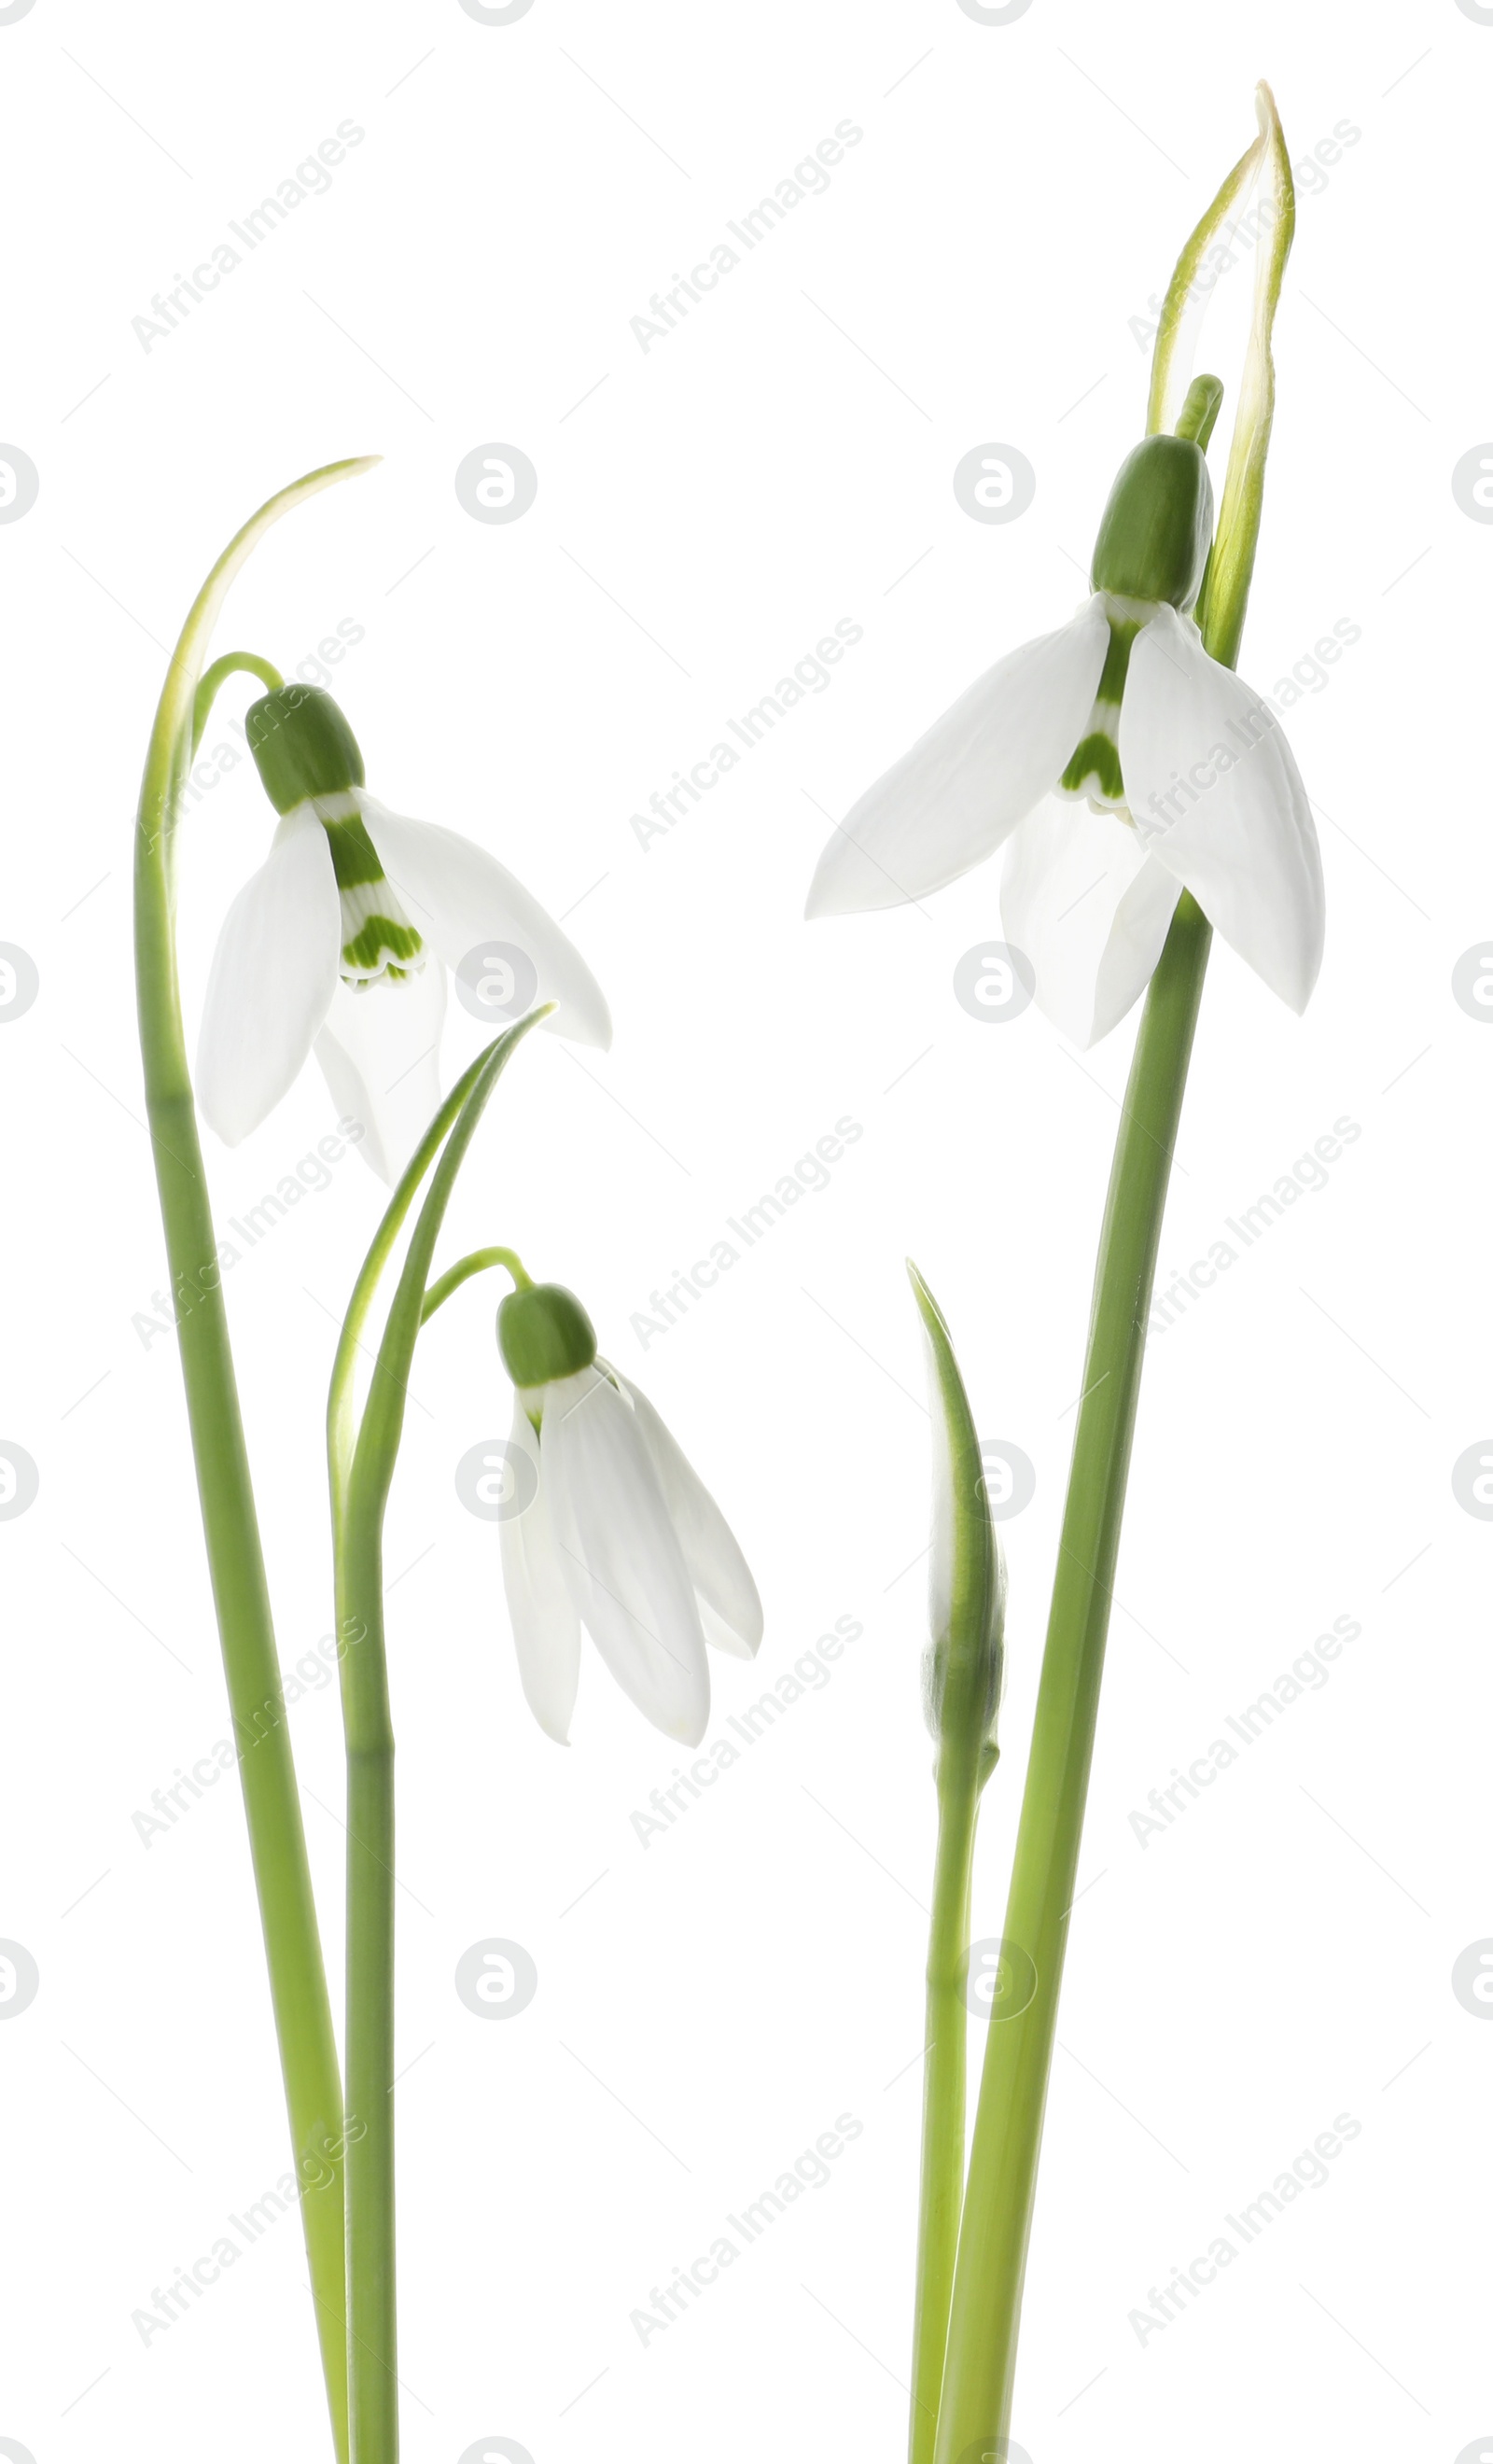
pixel 976 2408
pixel 361 1469
pixel 236 1558
pixel 963 1676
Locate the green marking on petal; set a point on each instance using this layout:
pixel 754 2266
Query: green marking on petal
pixel 378 938
pixel 1098 761
pixel 380 941
pixel 1094 770
pixel 354 856
pixel 1116 663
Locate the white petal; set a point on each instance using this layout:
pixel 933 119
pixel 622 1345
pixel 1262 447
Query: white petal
pixel 546 1628
pixel 1217 799
pixel 1091 909
pixel 273 973
pixel 717 1567
pixel 459 896
pixel 381 1053
pixel 966 783
pixel 623 1564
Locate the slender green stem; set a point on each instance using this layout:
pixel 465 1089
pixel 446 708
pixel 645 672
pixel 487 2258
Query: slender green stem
pixel 233 663
pixel 360 1488
pixel 945 2029
pixel 293 1949
pixel 1013 2093
pixel 477 1263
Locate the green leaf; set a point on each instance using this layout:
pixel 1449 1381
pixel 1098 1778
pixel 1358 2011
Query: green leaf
pixel 964 1665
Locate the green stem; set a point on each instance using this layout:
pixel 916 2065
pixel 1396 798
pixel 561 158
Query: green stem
pixel 271 1805
pixel 477 1263
pixel 360 1488
pixel 372 2335
pixel 233 663
pixel 945 2029
pixel 1002 2176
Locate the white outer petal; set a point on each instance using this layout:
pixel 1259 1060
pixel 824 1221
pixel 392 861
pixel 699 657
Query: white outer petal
pixel 546 1628
pixel 715 1565
pixel 622 1564
pixel 381 1053
pixel 1245 846
pixel 273 974
pixel 976 772
pixel 458 897
pixel 1084 901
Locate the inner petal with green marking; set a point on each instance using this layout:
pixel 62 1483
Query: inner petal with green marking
pixel 379 941
pixel 1095 771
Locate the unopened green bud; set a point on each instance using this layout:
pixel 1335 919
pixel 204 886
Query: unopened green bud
pixel 544 1333
pixel 1157 526
pixel 964 1664
pixel 303 746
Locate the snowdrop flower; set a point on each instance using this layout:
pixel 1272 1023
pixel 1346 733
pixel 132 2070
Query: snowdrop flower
pixel 619 1533
pixel 1119 764
pixel 340 942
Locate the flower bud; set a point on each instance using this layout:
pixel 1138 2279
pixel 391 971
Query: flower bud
pixel 1157 526
pixel 543 1333
pixel 965 1661
pixel 302 745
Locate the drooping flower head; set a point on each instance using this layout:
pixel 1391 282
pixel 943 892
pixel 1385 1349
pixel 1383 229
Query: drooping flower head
pixel 1117 761
pixel 342 940
pixel 617 1533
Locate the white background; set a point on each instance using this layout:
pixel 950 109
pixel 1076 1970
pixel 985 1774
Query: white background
pixel 706 510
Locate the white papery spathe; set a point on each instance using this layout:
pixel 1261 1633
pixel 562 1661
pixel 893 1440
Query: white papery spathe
pixel 278 990
pixel 1213 803
pixel 621 1536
